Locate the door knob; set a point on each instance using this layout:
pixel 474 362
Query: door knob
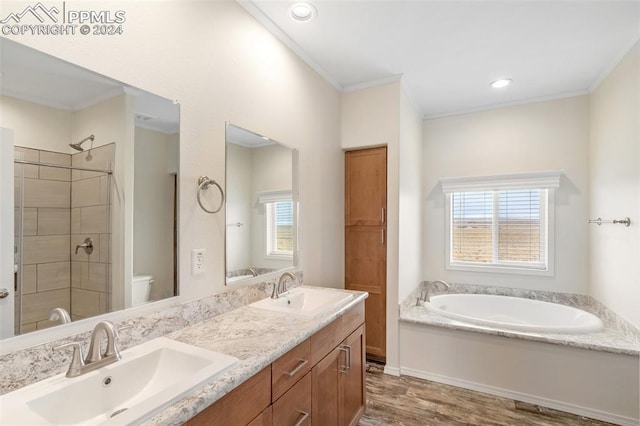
pixel 3 293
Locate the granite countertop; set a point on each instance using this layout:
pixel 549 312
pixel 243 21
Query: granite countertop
pixel 610 339
pixel 256 337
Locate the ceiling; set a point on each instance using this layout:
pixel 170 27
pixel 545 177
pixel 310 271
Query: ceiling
pixel 447 52
pixel 34 76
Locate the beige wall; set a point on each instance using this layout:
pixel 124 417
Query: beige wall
pixel 53 132
pixel 270 171
pixel 221 65
pixel 238 207
pixel 614 160
pixel 384 115
pixel 527 138
pixel 154 194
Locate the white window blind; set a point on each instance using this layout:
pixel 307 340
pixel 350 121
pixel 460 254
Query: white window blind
pixel 279 228
pixel 499 228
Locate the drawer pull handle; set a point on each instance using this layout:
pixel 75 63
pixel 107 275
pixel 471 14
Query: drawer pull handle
pixel 348 357
pixel 301 364
pixel 302 419
pixel 345 368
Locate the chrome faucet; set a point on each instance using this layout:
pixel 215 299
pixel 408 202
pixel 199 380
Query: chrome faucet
pixel 60 314
pixel 424 294
pixel 281 286
pixel 95 358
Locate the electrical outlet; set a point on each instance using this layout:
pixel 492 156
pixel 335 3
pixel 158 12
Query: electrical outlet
pixel 197 261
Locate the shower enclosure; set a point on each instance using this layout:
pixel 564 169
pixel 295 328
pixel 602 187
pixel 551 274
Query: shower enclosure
pixel 62 251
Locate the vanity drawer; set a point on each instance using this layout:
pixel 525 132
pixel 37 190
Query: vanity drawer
pixel 330 336
pixel 294 408
pixel 352 319
pixel 289 368
pixel 325 340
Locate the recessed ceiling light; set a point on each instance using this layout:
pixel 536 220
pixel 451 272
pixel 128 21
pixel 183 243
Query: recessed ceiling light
pixel 503 82
pixel 302 11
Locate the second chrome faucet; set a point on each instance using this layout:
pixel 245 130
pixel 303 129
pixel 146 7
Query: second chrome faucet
pixel 95 357
pixel 281 286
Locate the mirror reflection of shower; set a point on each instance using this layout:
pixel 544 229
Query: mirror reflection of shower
pixel 63 203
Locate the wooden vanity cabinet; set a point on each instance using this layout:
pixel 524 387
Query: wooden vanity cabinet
pixel 319 382
pixel 338 384
pixel 241 406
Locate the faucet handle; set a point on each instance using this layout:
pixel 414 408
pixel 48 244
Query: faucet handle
pixel 77 361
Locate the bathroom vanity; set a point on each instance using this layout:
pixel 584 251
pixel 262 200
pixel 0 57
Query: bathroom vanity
pixel 319 381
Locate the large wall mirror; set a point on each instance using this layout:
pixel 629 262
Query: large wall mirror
pixel 93 168
pixel 261 206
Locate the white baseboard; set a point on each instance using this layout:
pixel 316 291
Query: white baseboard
pixel 392 371
pixel 556 405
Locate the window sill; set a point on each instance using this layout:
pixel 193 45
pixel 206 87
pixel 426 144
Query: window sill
pixel 496 269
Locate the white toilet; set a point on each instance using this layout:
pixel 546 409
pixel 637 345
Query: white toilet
pixel 141 289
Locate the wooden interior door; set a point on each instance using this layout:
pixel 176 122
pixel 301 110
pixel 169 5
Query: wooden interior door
pixel 366 240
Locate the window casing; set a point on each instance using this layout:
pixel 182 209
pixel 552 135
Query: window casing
pixel 501 224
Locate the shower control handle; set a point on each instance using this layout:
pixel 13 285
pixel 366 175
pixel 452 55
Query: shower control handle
pixel 3 293
pixel 87 246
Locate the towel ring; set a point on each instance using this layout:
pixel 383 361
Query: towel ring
pixel 204 183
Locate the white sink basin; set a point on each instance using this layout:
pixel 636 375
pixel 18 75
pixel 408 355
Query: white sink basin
pixel 148 378
pixel 305 302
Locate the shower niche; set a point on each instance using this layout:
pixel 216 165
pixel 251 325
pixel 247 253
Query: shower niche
pixel 95 167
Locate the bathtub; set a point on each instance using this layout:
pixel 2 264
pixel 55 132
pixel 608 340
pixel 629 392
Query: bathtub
pixel 513 313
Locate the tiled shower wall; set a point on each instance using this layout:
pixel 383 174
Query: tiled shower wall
pixel 62 208
pixel 90 213
pixel 46 272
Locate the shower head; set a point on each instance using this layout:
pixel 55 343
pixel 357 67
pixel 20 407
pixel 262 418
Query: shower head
pixel 78 146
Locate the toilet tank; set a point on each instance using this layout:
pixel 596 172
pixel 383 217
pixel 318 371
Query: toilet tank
pixel 141 289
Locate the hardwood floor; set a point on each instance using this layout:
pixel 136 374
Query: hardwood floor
pixel 407 401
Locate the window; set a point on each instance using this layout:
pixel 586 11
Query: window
pixel 501 224
pixel 279 229
pixel 279 223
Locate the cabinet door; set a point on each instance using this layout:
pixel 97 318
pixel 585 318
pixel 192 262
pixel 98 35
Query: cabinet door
pixel 264 419
pixel 365 270
pixel 325 384
pixel 294 407
pixel 366 187
pixel 352 380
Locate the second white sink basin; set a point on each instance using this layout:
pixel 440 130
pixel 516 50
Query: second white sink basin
pixel 148 378
pixel 305 302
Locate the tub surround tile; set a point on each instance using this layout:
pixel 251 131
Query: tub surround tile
pixel 29 221
pixel 54 221
pixel 45 249
pixel 29 279
pixel 38 306
pixel 52 173
pixel 47 193
pixel 616 337
pixel 54 276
